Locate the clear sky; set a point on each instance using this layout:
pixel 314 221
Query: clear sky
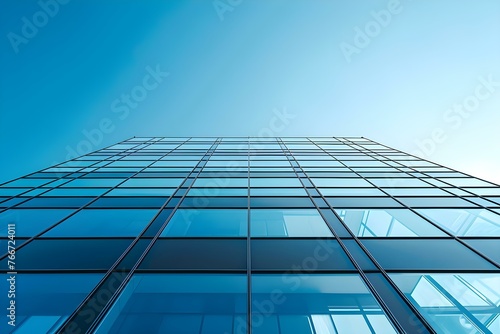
pixel 413 74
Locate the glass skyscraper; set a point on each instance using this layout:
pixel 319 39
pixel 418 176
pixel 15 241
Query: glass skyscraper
pixel 327 235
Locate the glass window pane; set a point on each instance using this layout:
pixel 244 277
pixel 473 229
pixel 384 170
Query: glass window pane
pixel 103 223
pixel 344 182
pixel 192 254
pixel 465 222
pixel 288 223
pixel 207 192
pixel 387 223
pixel 326 304
pixel 425 254
pixel 30 222
pixel 152 182
pixel 293 254
pixel 179 303
pixel 125 192
pixel 363 202
pixel 416 192
pixel 489 247
pixel 320 163
pixel 351 192
pixel 436 202
pixel 207 223
pixel 220 182
pixel 76 192
pixel 281 202
pixel 278 192
pixel 88 182
pixel 275 182
pixel 399 182
pixel 27 182
pixel 455 303
pixel 45 301
pixel 69 254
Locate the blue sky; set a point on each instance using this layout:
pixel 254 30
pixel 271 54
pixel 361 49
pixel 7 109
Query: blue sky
pixel 420 76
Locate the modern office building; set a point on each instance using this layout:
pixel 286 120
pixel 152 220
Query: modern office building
pixel 328 235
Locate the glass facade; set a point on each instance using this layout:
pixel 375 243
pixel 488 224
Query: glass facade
pixel 324 235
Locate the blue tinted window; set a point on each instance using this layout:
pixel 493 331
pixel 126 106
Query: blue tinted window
pixel 75 254
pixel 351 192
pixel 141 192
pixel 179 303
pixel 287 254
pixel 213 253
pixel 425 254
pixel 152 182
pixel 489 247
pixel 455 303
pixel 288 223
pixel 27 182
pixel 363 202
pixel 399 182
pixel 76 192
pixel 280 202
pixel 344 182
pixel 207 192
pixel 326 304
pixel 129 202
pixel 416 192
pixel 221 182
pixel 7 192
pixel 269 163
pixel 103 223
pixel 171 163
pixel 436 202
pixel 275 182
pixel 215 202
pixel 56 202
pixel 387 223
pixel 45 301
pixel 278 192
pixel 30 222
pixel 88 182
pixel 318 163
pixel 465 222
pixel 207 222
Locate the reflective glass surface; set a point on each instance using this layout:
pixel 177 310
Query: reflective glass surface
pixel 179 303
pixel 465 222
pixel 311 228
pixel 207 223
pixel 44 301
pixel 455 303
pixel 29 222
pixel 387 223
pixel 329 304
pixel 287 223
pixel 103 223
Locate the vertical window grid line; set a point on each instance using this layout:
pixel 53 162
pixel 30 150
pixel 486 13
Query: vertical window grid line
pixel 132 271
pixel 75 313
